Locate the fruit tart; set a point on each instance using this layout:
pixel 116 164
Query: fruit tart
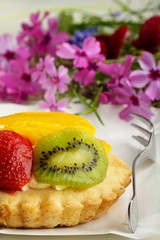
pixel 55 172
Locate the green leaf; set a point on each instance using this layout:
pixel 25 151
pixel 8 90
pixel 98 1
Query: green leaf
pixel 65 21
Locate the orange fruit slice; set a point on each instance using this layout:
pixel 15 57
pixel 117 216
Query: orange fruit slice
pixel 34 125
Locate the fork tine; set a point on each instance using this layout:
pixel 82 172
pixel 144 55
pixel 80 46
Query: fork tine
pixel 143 119
pixel 143 130
pixel 141 140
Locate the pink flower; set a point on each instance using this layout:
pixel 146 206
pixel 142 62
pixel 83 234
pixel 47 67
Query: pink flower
pixel 37 39
pixel 135 102
pixel 89 52
pixel 16 83
pixel 10 52
pixel 7 50
pixel 51 103
pixel 148 77
pixel 59 79
pixel 104 97
pixel 85 76
pixel 53 37
pixel 86 59
pixel 32 34
pixel 49 76
pixel 43 68
pixel 119 72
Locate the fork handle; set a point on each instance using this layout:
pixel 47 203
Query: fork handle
pixel 133 214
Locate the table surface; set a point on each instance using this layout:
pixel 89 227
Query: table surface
pixel 12 13
pixel 97 237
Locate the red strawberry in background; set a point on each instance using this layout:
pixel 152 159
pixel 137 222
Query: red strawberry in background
pixel 16 157
pixel 149 35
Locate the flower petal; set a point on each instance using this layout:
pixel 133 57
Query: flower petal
pixel 107 69
pixel 153 91
pixel 59 37
pixel 128 62
pixel 104 97
pixel 6 43
pixel 66 51
pixel 63 76
pixel 49 66
pixel 147 61
pixel 53 25
pixel 50 96
pixel 158 91
pixel 85 76
pixel 80 62
pixel 91 46
pixel 62 71
pixel 43 104
pixel 146 112
pixel 62 103
pixel 125 113
pixel 143 98
pixel 139 78
pixel 122 95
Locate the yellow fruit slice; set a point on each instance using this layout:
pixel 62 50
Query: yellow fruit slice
pixel 34 125
pixel 107 146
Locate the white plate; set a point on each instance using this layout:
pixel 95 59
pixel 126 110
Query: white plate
pixel 118 134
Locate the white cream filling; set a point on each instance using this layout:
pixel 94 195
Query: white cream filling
pixel 33 184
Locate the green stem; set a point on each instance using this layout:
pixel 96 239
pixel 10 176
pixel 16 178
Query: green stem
pixel 91 106
pixel 107 23
pixel 129 10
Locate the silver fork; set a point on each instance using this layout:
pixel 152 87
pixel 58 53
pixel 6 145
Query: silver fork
pixel 147 153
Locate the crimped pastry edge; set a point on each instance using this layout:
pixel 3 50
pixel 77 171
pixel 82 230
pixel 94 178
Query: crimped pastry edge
pixel 49 208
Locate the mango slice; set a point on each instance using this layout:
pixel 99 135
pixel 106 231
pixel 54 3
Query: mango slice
pixel 34 125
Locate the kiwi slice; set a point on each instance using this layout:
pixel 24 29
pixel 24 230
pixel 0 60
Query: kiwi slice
pixel 71 157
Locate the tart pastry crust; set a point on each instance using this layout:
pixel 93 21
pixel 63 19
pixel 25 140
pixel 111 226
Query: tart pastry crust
pixel 48 208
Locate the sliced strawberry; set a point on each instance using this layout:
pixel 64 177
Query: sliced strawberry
pixel 16 157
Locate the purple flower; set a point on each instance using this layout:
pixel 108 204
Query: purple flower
pixel 148 77
pixel 80 35
pixel 117 14
pixel 49 76
pixel 136 102
pixel 51 103
pixel 86 59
